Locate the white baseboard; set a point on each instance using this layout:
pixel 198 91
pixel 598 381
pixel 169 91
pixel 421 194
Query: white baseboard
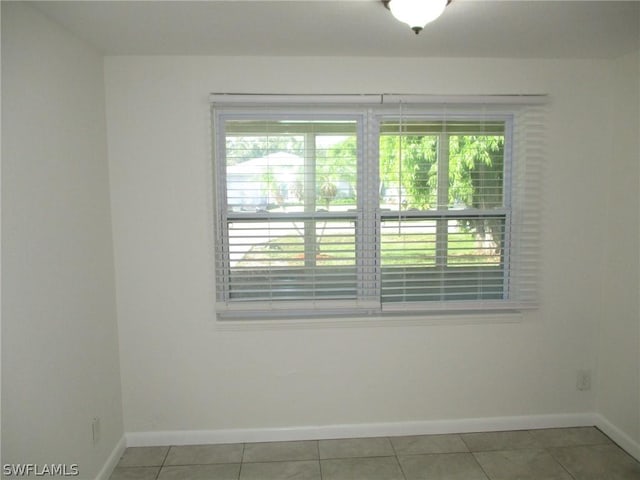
pixel 113 460
pixel 614 433
pixel 430 427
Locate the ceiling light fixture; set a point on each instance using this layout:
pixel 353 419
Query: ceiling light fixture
pixel 416 13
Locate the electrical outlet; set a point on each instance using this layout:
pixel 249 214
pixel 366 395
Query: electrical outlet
pixel 95 430
pixel 583 381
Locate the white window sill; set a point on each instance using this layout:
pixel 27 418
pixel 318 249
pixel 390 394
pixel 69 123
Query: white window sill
pixel 378 320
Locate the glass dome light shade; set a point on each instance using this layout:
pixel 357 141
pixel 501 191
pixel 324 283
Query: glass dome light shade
pixel 417 13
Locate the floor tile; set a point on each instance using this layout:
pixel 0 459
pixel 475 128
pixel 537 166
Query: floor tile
pixel 356 447
pixel 569 437
pixel 281 451
pixel 582 453
pixel 372 468
pixel 442 466
pixel 428 444
pixel 135 473
pixel 535 464
pixel 487 441
pixel 200 472
pixel 204 454
pixel 599 462
pixel 304 470
pixel 143 456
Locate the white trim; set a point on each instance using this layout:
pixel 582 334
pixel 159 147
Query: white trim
pixel 429 427
pixel 373 99
pixel 627 443
pixel 296 307
pixel 112 462
pixel 374 320
pixel 510 99
pixel 287 99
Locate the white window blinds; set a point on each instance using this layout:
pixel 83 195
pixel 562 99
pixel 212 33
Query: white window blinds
pixel 290 186
pixel 365 209
pixel 443 211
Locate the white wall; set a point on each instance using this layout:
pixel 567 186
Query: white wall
pixel 60 364
pixel 180 372
pixel 619 354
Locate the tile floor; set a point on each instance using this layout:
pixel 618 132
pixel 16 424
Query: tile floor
pixel 551 454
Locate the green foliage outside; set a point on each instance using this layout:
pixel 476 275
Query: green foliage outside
pixel 410 162
pixel 409 168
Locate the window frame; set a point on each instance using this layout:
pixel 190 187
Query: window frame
pixel 225 305
pixel 368 214
pixel 442 214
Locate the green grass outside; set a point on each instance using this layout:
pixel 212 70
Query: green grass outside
pixel 396 249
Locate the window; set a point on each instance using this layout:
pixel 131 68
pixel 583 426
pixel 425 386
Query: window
pixel 443 212
pixel 370 209
pixel 291 187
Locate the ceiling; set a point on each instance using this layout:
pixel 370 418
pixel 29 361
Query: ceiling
pixel 468 28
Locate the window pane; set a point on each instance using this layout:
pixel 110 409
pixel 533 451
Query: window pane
pixel 408 242
pixel 408 171
pixel 441 259
pixel 475 241
pixel 429 284
pixel 291 166
pixel 293 259
pixel 476 171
